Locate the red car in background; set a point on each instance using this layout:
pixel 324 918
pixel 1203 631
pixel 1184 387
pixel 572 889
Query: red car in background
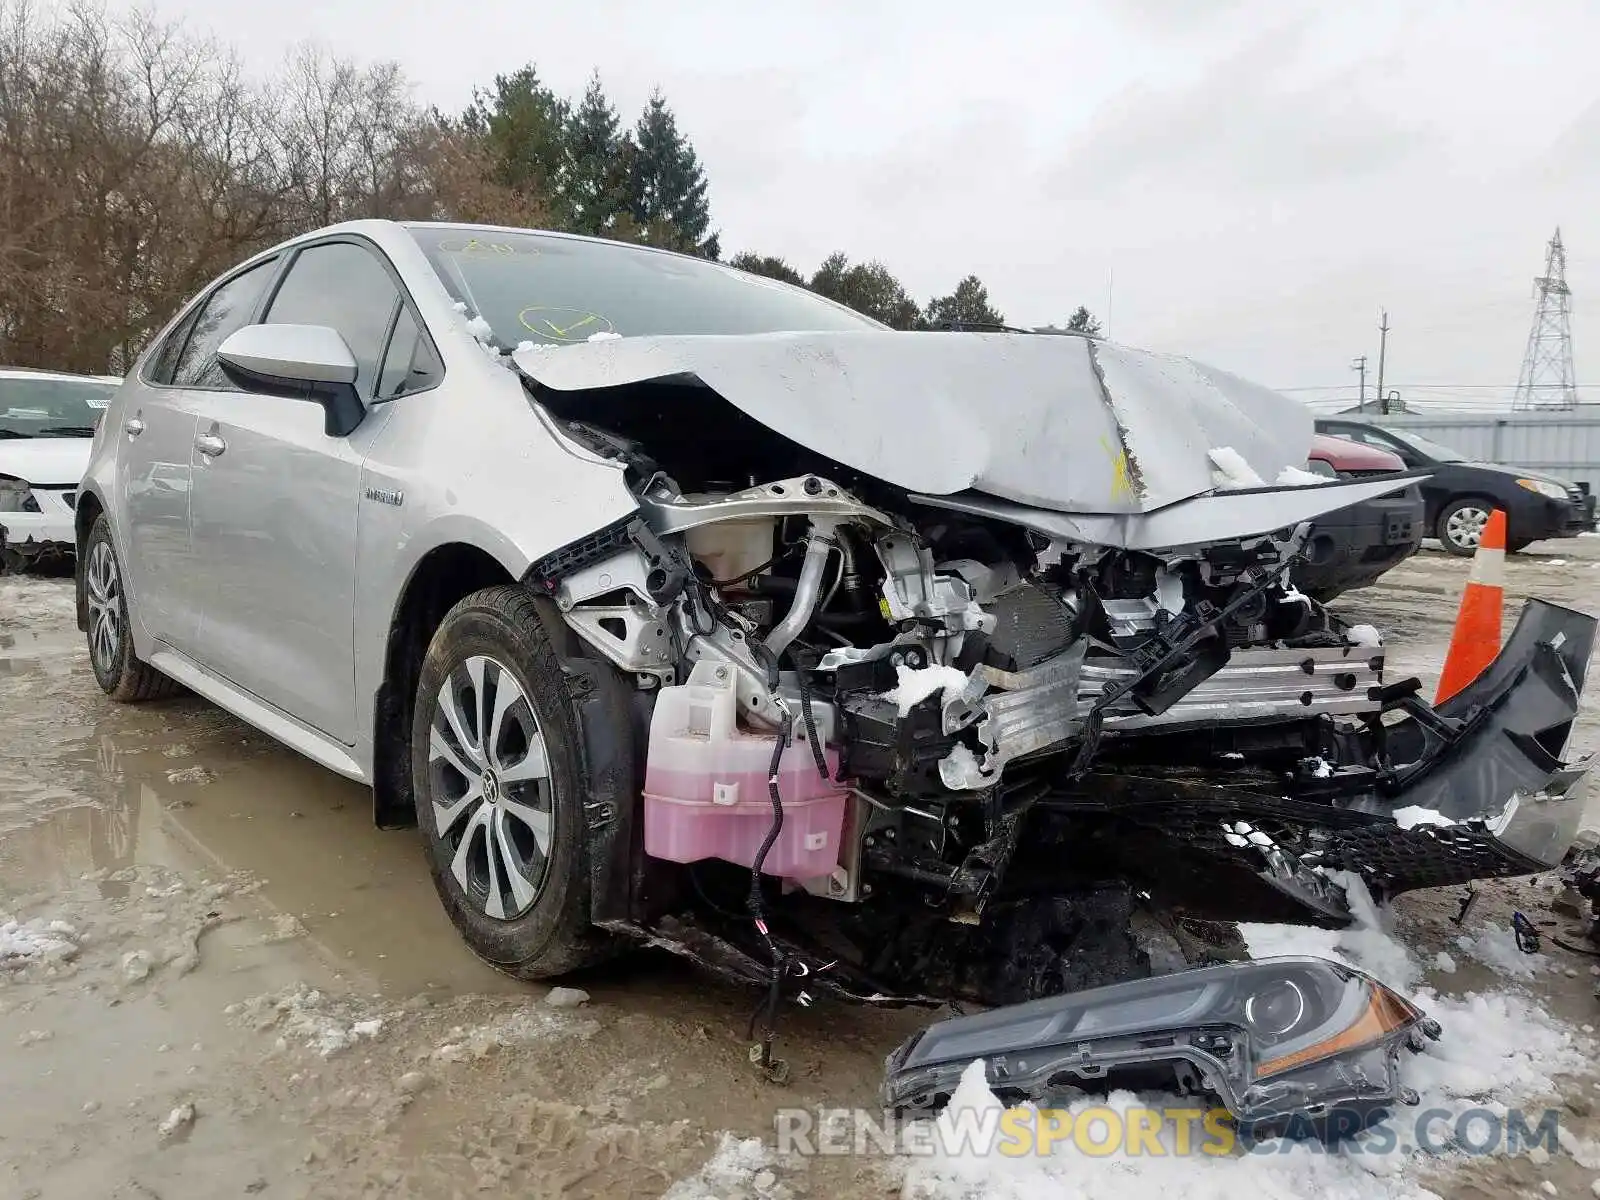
pixel 1351 548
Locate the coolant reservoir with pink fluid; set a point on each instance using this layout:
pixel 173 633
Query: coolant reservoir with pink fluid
pixel 705 785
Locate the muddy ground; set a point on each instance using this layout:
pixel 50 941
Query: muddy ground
pixel 240 987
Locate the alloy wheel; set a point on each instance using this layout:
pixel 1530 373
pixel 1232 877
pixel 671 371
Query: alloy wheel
pixel 489 780
pixel 103 591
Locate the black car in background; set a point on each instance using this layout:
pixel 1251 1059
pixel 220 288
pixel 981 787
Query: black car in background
pixel 1461 493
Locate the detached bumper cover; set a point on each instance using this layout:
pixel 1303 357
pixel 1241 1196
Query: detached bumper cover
pixel 50 530
pixel 1475 789
pixel 1274 1040
pixel 1481 778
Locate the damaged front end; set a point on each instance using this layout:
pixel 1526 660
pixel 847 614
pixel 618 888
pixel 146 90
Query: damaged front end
pixel 900 743
pixel 1286 1045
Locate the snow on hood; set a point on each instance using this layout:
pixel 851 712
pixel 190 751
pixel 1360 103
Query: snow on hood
pixel 1059 423
pixel 47 462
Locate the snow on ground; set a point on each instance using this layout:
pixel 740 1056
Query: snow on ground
pixel 1498 1050
pixel 740 1167
pixel 1364 635
pixel 30 601
pixel 1497 948
pixel 305 1016
pixel 22 943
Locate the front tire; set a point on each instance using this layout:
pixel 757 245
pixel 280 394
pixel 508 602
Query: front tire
pixel 1461 525
pixel 498 786
pixel 117 669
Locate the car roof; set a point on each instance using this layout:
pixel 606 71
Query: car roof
pixel 1354 456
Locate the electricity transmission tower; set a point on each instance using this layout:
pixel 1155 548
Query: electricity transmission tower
pixel 1547 380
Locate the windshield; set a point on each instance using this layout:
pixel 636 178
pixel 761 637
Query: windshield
pixel 1428 447
pixel 44 406
pixel 533 287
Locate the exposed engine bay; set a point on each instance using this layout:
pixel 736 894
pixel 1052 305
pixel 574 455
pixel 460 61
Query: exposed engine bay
pixel 908 745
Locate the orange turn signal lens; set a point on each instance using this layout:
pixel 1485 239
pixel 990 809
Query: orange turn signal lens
pixel 1385 1012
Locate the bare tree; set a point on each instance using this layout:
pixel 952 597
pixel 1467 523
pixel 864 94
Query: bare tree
pixel 138 161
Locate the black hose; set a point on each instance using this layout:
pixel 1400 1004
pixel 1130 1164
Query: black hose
pixel 757 903
pixel 810 722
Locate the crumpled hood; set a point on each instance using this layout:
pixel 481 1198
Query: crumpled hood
pixel 46 462
pixel 1065 424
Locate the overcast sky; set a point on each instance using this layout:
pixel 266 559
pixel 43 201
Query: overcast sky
pixel 1259 178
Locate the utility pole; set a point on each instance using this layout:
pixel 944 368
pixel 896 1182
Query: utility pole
pixel 1360 364
pixel 1383 346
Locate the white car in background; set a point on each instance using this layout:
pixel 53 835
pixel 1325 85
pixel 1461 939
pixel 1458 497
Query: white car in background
pixel 47 423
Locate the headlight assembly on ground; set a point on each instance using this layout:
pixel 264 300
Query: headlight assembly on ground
pixel 1278 1041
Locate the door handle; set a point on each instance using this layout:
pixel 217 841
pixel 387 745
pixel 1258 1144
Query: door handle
pixel 210 445
pixel 133 426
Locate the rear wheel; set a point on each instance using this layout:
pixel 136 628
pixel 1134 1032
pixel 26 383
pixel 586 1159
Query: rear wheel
pixel 1461 525
pixel 117 669
pixel 498 786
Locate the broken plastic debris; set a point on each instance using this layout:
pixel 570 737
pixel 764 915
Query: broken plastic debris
pixel 1363 635
pixel 1169 590
pixel 566 997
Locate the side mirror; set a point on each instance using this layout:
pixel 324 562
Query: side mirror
pixel 297 362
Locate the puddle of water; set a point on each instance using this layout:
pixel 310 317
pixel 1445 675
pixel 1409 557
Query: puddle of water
pixel 90 786
pixel 362 895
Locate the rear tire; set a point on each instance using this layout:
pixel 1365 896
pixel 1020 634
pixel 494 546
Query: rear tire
pixel 117 669
pixel 502 815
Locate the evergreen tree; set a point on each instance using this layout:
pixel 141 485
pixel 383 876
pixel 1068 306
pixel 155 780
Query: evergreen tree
pixel 868 288
pixel 596 192
pixel 1083 321
pixel 667 184
pixel 965 308
pixel 768 265
pixel 522 126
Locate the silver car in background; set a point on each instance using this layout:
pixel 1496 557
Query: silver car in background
pixel 680 605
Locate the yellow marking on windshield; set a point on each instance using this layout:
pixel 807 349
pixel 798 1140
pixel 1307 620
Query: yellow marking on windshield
pixel 481 247
pixel 563 324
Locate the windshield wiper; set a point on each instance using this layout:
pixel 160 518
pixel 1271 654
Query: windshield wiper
pixel 67 431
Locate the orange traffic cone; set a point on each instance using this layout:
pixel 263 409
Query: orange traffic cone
pixel 1476 640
